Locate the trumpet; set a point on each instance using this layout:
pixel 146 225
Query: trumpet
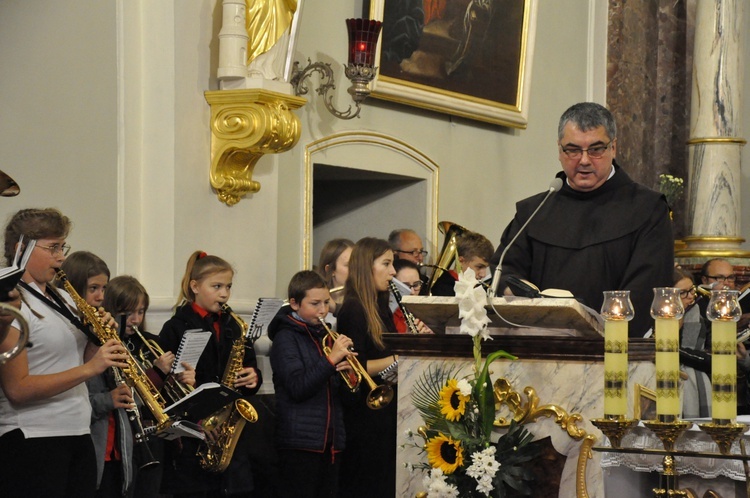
pixel 24 333
pixel 379 396
pixel 173 388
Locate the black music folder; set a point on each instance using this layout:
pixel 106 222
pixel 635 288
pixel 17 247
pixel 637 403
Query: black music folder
pixel 202 402
pixel 11 275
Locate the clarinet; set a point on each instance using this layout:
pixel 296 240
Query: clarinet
pixel 140 439
pixel 410 324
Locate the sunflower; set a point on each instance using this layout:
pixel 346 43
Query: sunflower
pixel 444 453
pixel 452 402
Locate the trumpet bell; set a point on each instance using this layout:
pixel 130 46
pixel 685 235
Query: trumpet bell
pixel 23 338
pixel 380 397
pixel 448 253
pixel 8 186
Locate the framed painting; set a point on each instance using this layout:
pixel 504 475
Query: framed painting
pixel 469 58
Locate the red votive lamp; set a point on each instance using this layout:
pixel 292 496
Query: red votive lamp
pixel 363 39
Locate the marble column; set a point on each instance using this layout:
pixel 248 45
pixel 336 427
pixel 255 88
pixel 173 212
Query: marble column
pixel 715 137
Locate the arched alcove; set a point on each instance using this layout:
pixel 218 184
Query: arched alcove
pixel 361 183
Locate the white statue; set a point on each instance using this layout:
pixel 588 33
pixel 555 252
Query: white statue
pixel 268 25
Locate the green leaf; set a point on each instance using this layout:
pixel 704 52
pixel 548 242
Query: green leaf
pixel 484 393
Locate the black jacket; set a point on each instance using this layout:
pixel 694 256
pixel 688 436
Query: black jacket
pixel 307 386
pixel 182 472
pixel 618 236
pixel 211 365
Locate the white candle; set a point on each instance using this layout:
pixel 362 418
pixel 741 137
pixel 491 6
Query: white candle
pixel 667 332
pixel 724 371
pixel 615 369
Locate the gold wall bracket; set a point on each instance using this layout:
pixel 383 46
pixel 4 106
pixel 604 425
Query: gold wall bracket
pixel 246 125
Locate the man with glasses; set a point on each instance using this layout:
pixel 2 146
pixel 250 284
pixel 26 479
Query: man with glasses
pixel 718 274
pixel 601 231
pixel 406 244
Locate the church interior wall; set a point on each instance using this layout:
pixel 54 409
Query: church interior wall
pixel 120 142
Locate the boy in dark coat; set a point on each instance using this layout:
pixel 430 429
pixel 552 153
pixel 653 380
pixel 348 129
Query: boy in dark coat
pixel 310 424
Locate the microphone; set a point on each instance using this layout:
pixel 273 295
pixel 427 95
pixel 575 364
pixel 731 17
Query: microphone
pixel 554 186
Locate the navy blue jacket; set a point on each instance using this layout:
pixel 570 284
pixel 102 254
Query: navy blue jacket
pixel 308 396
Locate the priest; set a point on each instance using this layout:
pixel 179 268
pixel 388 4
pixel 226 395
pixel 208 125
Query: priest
pixel 601 231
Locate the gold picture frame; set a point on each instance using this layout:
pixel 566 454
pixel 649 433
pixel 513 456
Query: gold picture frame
pixel 644 403
pixel 468 58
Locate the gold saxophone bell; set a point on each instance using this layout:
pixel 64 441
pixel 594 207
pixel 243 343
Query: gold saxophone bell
pixel 24 333
pixel 448 253
pixel 379 396
pixel 228 422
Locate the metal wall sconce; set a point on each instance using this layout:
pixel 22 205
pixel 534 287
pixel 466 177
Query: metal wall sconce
pixel 363 41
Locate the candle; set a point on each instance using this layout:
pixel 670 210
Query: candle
pixel 724 371
pixel 668 405
pixel 615 369
pixel 666 309
pixel 724 311
pixel 616 310
pixel 363 38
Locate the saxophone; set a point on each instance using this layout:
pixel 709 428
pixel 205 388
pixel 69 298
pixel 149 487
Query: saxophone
pixel 229 421
pixel 134 375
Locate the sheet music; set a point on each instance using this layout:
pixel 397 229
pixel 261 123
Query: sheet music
pixel 204 400
pixel 190 350
pixel 265 310
pixel 180 428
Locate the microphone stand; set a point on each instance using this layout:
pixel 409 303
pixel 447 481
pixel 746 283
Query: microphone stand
pixel 554 186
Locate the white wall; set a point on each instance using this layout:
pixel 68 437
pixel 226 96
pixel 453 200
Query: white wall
pixel 58 128
pixel 127 156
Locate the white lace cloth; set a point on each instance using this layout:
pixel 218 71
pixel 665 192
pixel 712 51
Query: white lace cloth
pixel 692 440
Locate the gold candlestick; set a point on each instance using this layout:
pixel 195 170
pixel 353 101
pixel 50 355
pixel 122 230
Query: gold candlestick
pixel 614 429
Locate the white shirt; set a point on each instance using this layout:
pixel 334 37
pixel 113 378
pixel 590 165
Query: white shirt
pixel 57 345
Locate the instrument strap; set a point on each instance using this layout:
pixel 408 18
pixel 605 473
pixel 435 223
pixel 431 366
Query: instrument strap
pixel 57 304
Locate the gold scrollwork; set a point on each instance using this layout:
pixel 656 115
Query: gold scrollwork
pixel 583 457
pixel 245 125
pixel 529 411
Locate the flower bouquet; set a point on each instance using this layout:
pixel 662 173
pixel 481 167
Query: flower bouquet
pixel 671 187
pixel 459 415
